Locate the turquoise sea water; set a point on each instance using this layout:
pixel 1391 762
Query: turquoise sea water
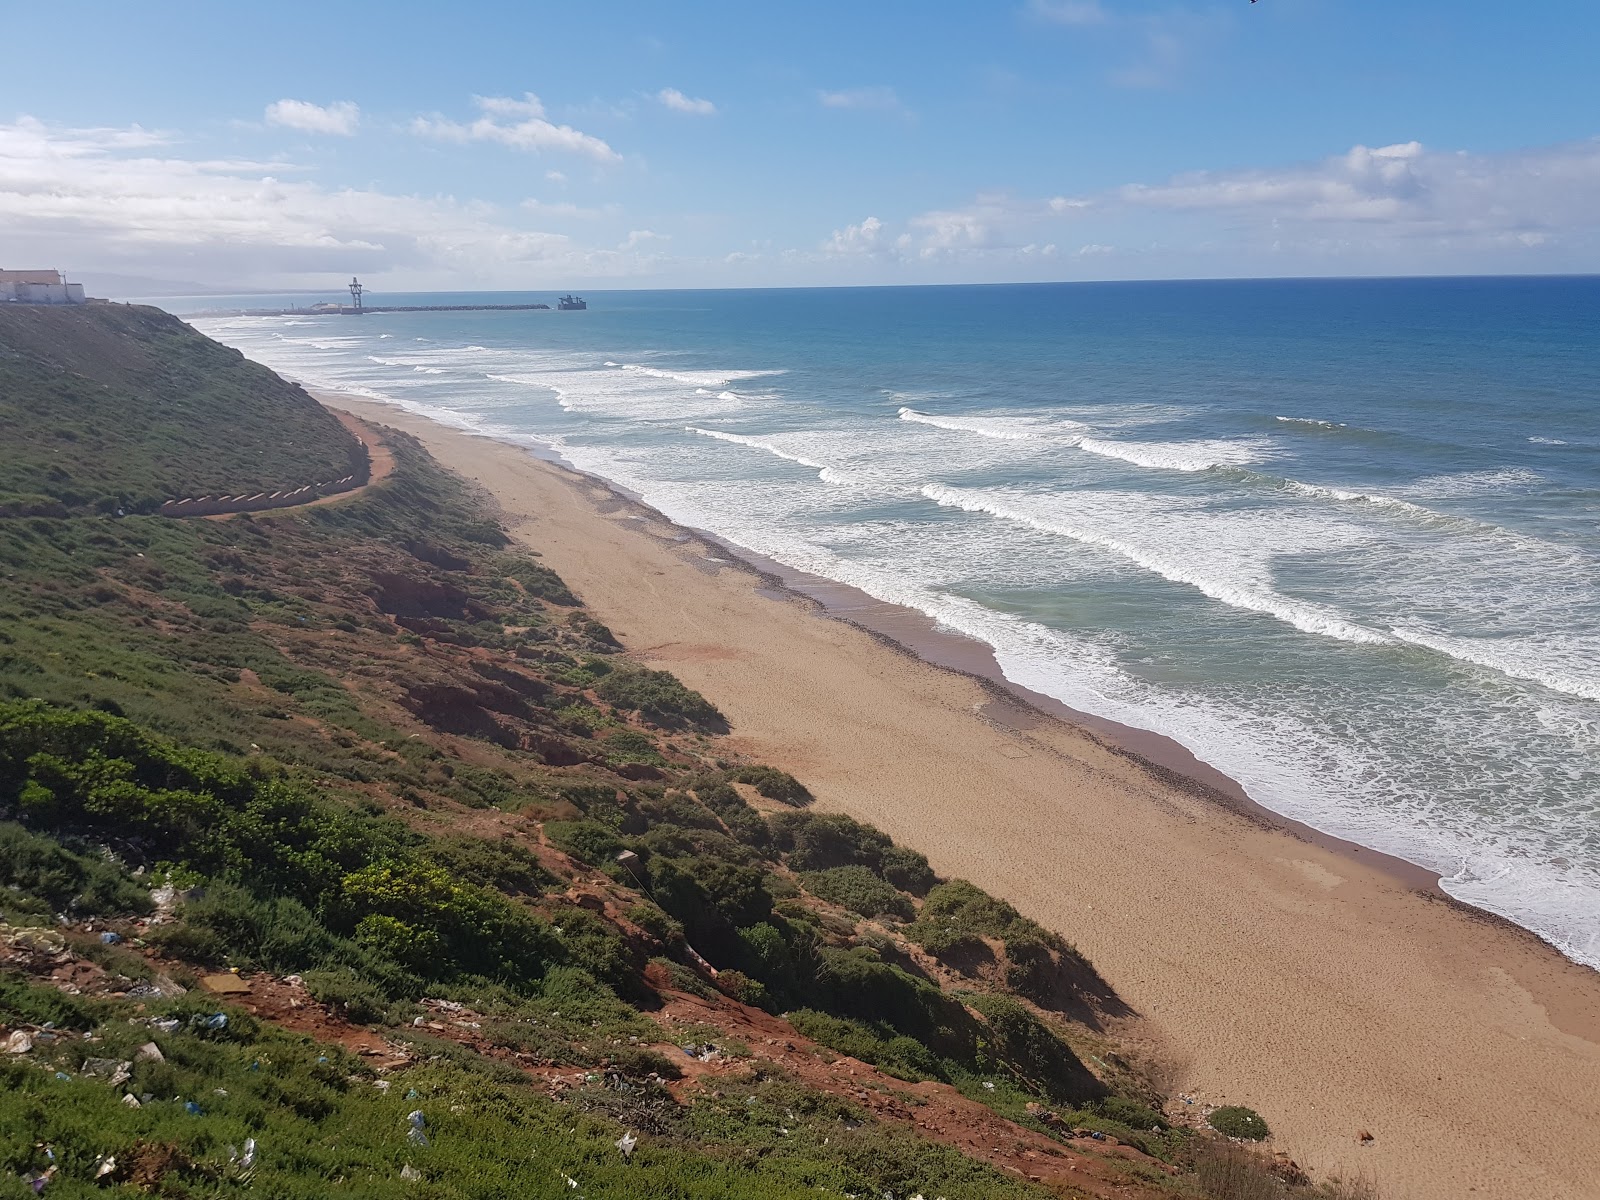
pixel 1339 538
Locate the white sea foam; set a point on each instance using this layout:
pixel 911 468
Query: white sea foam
pixel 1324 492
pixel 1178 456
pixel 1475 483
pixel 697 379
pixel 1253 595
pixel 1519 658
pixel 401 362
pixel 1003 430
pixel 1312 422
pixel 1545 441
pixel 1295 765
pixel 1484 783
pixel 826 473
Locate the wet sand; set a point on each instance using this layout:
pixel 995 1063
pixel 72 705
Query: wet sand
pixel 1332 989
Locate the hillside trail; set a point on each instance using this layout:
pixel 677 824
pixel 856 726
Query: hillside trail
pixel 380 465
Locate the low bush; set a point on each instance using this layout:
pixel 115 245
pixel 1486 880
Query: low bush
pixel 901 1056
pixel 1237 1121
pixel 1024 1045
pixel 859 890
pixel 957 916
pixel 654 920
pixel 40 876
pixel 774 785
pixel 1225 1172
pixel 1131 1113
pixel 818 841
pixel 743 988
pixel 587 841
pixel 660 698
pixel 356 999
pixel 908 870
pixel 501 863
pixel 640 1061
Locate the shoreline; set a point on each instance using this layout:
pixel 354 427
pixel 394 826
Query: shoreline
pixel 1270 965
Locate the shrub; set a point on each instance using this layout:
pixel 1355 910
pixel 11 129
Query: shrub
pixel 817 841
pixel 587 841
pixel 857 983
pixel 766 954
pixel 640 1061
pixel 859 890
pixel 358 1000
pixel 742 988
pixel 654 921
pixel 631 746
pixel 956 916
pixel 774 785
pixel 1130 1113
pixel 1236 1121
pixel 901 1056
pixel 501 863
pixel 39 869
pixel 658 696
pixel 1225 1172
pixel 908 870
pixel 1026 1045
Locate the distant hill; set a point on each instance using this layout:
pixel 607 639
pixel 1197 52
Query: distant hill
pixel 109 406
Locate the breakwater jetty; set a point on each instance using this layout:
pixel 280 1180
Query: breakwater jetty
pixel 350 310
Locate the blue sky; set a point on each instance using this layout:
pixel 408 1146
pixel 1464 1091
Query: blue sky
pixel 720 144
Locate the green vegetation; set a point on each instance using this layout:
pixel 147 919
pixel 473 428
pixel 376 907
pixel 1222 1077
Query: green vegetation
pixel 859 890
pixel 370 746
pixel 774 785
pixel 112 406
pixel 659 698
pixel 1236 1121
pixel 320 1124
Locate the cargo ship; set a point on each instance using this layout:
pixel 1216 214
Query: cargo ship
pixel 571 303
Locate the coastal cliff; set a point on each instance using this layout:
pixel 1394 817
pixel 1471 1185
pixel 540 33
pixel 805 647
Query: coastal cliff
pixel 343 846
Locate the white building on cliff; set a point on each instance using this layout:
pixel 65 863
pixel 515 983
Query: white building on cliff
pixel 38 287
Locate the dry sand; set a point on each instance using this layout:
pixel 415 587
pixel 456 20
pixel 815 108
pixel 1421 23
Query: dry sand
pixel 1311 982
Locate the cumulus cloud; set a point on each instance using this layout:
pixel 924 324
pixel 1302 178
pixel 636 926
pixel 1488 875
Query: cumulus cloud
pixel 339 118
pixel 678 102
pixel 871 99
pixel 518 123
pixel 1400 207
pixel 128 201
pixel 868 238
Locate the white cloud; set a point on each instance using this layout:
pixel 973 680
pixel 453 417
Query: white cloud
pixel 866 238
pixel 639 237
pixel 557 177
pixel 872 99
pixel 678 102
pixel 339 118
pixel 1396 208
pixel 126 201
pixel 1069 12
pixel 520 124
pixel 1403 190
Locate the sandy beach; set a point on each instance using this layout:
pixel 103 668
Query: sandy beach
pixel 1328 989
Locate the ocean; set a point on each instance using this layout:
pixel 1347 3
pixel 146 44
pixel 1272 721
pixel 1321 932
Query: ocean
pixel 1340 538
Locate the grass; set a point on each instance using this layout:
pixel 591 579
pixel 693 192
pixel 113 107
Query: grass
pixel 358 730
pixel 320 1124
pixel 112 406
